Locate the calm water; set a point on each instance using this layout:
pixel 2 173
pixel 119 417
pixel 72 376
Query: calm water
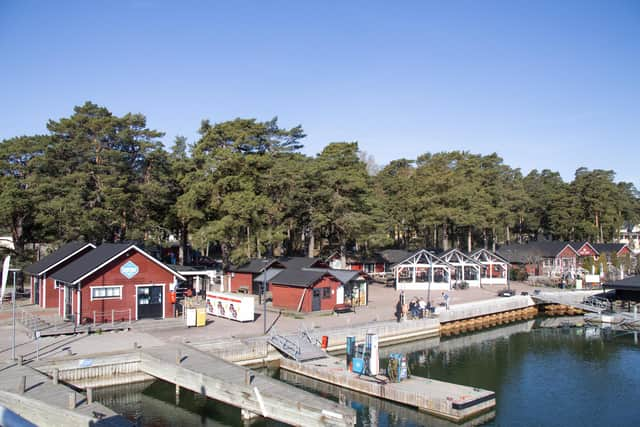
pixel 542 377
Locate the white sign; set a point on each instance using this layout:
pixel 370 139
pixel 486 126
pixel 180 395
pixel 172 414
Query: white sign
pixel 129 269
pixel 231 306
pixel 592 278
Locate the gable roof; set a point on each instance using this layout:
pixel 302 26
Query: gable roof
pixel 527 252
pixel 91 262
pixel 299 278
pixel 394 256
pixel 343 276
pixel 578 245
pixel 481 253
pixel 299 262
pixel 56 258
pixel 423 256
pixel 609 248
pixel 454 256
pixel 255 266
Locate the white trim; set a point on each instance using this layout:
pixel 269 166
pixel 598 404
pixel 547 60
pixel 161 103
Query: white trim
pixel 44 288
pixel 140 251
pixel 148 285
pixel 64 303
pixel 91 288
pixel 69 256
pixel 79 307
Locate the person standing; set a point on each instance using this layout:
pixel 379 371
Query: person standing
pixel 446 301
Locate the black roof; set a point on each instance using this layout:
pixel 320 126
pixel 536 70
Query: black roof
pixel 56 257
pixel 629 284
pixel 608 248
pixel 254 266
pixel 298 262
pixel 532 251
pixel 298 278
pixel 394 256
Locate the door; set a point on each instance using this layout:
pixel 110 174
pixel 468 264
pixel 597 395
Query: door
pixel 68 303
pixel 150 304
pixel 36 291
pixel 315 302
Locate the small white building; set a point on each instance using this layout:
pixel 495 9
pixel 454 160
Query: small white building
pixel 495 269
pixel 465 268
pixel 423 271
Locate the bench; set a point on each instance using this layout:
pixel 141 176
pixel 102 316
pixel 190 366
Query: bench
pixel 342 308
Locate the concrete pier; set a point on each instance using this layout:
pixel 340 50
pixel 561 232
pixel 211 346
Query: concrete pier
pixel 450 401
pixel 35 397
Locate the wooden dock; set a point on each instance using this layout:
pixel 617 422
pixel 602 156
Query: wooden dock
pixel 202 373
pixel 446 400
pixel 36 398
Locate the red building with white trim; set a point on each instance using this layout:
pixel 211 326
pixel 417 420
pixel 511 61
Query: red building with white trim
pixel 44 291
pixel 115 282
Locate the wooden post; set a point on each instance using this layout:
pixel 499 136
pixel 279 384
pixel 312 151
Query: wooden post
pixel 56 375
pixel 112 316
pixel 177 395
pixel 89 395
pixel 247 377
pixel 178 356
pixel 22 384
pixel 72 400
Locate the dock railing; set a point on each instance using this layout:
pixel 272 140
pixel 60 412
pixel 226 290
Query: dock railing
pixel 112 316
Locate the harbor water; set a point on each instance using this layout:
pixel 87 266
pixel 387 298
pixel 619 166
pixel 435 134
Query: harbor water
pixel 542 377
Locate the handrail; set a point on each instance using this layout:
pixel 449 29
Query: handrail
pixel 105 319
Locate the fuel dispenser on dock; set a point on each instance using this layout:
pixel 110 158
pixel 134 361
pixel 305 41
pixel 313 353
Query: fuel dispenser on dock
pixel 364 359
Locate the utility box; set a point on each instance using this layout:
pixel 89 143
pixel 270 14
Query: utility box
pixel 190 315
pixel 201 317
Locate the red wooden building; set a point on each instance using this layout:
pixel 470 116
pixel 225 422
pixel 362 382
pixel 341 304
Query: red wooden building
pixel 115 282
pixel 620 249
pixel 317 289
pixel 44 291
pixel 542 258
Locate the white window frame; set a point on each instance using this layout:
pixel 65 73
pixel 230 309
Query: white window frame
pixel 91 288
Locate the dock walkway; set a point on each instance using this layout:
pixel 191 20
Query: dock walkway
pixel 450 401
pixel 583 300
pixel 235 385
pixel 44 403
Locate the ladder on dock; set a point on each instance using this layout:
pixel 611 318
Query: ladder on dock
pixel 300 347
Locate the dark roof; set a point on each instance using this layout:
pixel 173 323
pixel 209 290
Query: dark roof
pixel 254 266
pixel 298 278
pixel 532 251
pixel 93 260
pixel 301 262
pixel 608 248
pixel 394 256
pixel 629 284
pixel 57 257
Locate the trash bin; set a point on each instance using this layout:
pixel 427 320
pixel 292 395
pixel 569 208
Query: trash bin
pixel 201 317
pixel 325 342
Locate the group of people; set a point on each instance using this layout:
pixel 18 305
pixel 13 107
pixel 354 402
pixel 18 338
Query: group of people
pixel 419 308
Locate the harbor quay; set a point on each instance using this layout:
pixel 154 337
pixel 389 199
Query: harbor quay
pixel 92 360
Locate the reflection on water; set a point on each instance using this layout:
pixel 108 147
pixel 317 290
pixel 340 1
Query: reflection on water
pixel 542 377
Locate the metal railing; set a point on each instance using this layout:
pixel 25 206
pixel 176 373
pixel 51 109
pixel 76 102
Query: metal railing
pixel 112 316
pixel 597 302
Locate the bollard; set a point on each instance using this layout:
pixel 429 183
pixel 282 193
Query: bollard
pixel 69 353
pixel 178 356
pixel 22 384
pixel 72 400
pixel 56 375
pixel 135 345
pixel 21 360
pixel 247 377
pixel 89 395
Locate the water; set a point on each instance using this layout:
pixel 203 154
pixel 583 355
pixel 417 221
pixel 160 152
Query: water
pixel 542 377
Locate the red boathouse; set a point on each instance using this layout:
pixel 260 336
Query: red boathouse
pixel 115 282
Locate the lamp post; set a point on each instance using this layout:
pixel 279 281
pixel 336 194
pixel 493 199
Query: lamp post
pixel 13 315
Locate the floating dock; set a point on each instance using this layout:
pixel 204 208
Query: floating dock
pixel 446 400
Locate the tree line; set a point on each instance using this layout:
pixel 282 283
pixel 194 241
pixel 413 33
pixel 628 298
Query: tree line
pixel 244 189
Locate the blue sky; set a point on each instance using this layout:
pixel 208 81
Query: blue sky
pixel 545 84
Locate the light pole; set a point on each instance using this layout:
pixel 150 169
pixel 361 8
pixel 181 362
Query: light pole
pixel 13 316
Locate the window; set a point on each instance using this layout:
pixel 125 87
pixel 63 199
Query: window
pixel 106 292
pixel 326 293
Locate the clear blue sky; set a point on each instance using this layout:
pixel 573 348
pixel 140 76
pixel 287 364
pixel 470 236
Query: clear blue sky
pixel 546 84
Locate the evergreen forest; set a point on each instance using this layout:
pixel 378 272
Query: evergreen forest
pixel 244 189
